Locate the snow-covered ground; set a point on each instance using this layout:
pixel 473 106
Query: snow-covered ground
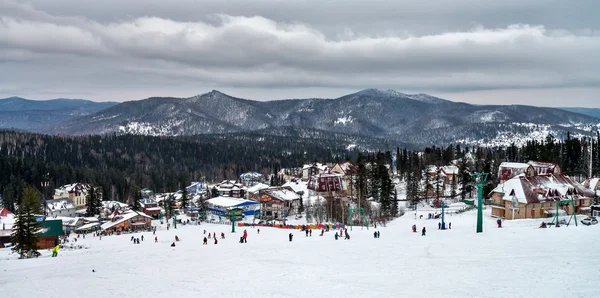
pixel 518 260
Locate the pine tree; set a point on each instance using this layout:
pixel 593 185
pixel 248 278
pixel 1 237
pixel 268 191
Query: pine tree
pixel 184 198
pixel 26 229
pixel 137 198
pixel 93 201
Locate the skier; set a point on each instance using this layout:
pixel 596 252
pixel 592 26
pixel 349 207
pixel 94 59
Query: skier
pixel 499 222
pixel 423 231
pixel 142 237
pixel 132 238
pixel 374 234
pixel 336 236
pixel 310 232
pixel 222 235
pixel 216 240
pixel 155 239
pixel 205 241
pixel 245 236
pixel 347 236
pixel 258 230
pixel 204 232
pixel 439 225
pixel 214 235
pixel 291 236
pixel 176 238
pixel 55 251
pixel 173 244
pixel 306 232
pixel 378 234
pixel 322 232
pixel 209 235
pixel 449 226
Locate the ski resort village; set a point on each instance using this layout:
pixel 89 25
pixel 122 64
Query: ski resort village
pixel 321 230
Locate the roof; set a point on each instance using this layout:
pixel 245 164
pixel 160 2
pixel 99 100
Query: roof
pixel 227 202
pixel 536 189
pixel 4 212
pixel 51 228
pixel 75 187
pixel 298 186
pixel 544 167
pixel 283 194
pixel 450 170
pixel 123 217
pixel 349 167
pixel 257 187
pixel 514 165
pixel 88 226
pixel 111 204
pixel 60 204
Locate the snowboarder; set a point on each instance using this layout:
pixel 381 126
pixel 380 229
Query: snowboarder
pixel 205 241
pixel 291 236
pixel 439 225
pixel 423 231
pixel 222 235
pixel 55 251
pixel 173 244
pixel 336 236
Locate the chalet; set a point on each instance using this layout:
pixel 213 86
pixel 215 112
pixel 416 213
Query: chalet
pixel 326 183
pixel 7 220
pixel 150 207
pixel 251 178
pixel 536 196
pixel 508 170
pixel 253 192
pixel 545 168
pixel 232 189
pixel 313 169
pixel 279 203
pixel 349 170
pixel 60 207
pixel 51 230
pixel 5 213
pixel 129 220
pixel 76 192
pixel 147 193
pixel 450 174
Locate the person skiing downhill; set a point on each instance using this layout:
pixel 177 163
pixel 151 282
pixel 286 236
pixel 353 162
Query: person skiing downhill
pixel 423 231
pixel 291 236
pixel 216 240
pixel 156 239
pixel 55 251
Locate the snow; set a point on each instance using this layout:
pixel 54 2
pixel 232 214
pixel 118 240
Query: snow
pixel 452 263
pixel 257 187
pixel 514 165
pixel 344 120
pixel 227 201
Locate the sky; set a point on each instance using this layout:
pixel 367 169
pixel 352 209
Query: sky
pixel 535 52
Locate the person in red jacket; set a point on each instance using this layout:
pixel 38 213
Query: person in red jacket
pixel 222 235
pixel 245 236
pixel 216 240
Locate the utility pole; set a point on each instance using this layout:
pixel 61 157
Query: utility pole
pixel 591 149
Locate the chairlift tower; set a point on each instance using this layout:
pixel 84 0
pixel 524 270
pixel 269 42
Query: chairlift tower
pixel 480 179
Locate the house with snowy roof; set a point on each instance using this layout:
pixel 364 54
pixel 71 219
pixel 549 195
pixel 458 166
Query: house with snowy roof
pixel 508 170
pixel 545 168
pixel 310 170
pixel 150 207
pixel 76 192
pixel 231 188
pixel 536 196
pixel 251 178
pixel 60 207
pixel 450 173
pixel 129 220
pixel 328 183
pixel 593 184
pixel 253 192
pixel 279 202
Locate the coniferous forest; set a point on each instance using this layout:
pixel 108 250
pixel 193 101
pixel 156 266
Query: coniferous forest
pixel 121 164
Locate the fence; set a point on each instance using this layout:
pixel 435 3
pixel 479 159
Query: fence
pixel 296 227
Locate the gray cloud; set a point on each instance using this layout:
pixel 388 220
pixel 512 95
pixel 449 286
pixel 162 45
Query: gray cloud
pixel 116 50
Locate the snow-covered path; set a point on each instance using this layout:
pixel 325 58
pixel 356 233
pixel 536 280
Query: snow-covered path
pixel 515 261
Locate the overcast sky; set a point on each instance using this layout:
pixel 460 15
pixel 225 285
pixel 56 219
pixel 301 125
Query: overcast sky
pixel 535 52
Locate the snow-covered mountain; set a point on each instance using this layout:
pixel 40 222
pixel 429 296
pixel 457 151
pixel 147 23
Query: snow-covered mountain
pixel 417 119
pixel 21 113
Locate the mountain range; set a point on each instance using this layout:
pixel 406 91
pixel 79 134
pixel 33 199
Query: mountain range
pixel 26 114
pixel 418 119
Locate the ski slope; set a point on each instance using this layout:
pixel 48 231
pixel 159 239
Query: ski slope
pixel 518 260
